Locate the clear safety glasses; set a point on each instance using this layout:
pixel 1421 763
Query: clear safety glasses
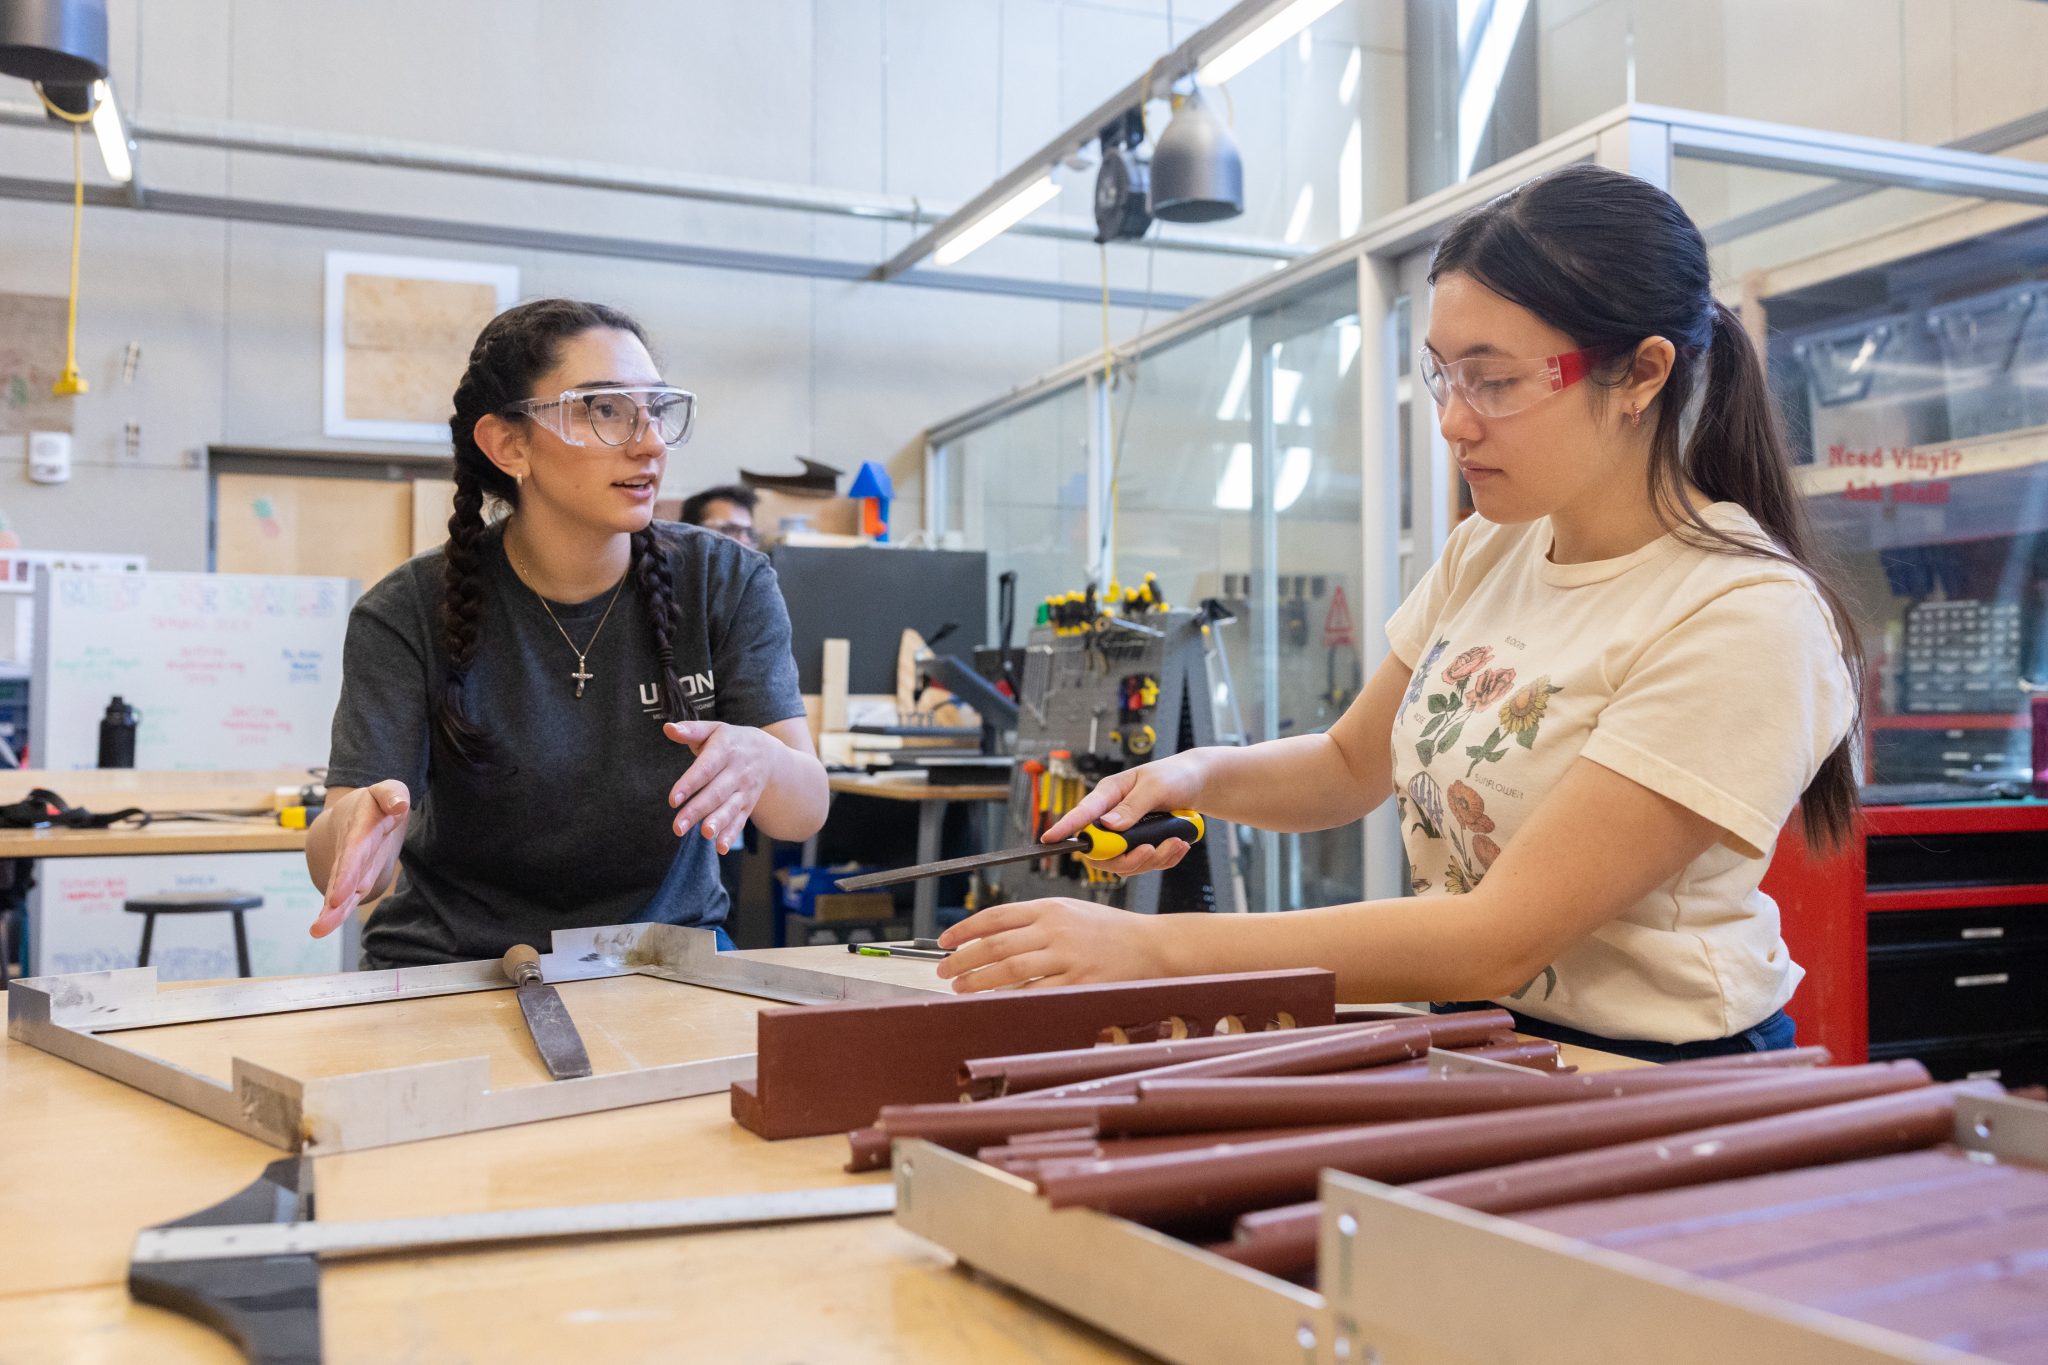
pixel 1497 386
pixel 614 415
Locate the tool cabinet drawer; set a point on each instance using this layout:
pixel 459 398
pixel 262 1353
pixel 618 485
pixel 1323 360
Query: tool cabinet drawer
pixel 1986 927
pixel 1900 862
pixel 2011 1060
pixel 1951 993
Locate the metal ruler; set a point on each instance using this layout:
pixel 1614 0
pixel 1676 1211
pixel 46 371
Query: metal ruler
pixel 373 1237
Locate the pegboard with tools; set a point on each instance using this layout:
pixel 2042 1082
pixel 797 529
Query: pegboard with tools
pixel 1108 684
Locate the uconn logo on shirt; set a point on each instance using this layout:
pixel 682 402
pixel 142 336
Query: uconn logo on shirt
pixel 698 690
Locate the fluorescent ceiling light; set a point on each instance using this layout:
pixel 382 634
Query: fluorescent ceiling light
pixel 1347 346
pixel 1286 388
pixel 1233 392
pixel 1351 181
pixel 1000 218
pixel 1220 66
pixel 1481 85
pixel 1295 468
pixel 106 126
pixel 1297 221
pixel 1234 489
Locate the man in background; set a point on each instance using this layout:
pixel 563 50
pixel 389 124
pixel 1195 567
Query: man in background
pixel 727 509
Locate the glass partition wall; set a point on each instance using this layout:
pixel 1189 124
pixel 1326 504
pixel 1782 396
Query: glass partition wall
pixel 1267 448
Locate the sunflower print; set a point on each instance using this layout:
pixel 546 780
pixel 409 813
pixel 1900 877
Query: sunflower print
pixel 1523 712
pixel 1476 686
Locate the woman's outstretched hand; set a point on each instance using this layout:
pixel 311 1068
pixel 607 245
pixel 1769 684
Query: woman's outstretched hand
pixel 373 822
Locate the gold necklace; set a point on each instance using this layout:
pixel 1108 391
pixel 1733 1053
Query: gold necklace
pixel 582 674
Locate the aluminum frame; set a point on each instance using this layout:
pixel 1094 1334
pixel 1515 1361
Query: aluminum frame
pixel 1404 1279
pixel 65 1016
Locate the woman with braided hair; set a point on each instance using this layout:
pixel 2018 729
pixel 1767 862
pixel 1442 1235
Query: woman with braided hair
pixel 516 705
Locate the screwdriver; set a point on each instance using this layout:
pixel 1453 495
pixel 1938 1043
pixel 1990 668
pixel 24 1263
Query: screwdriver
pixel 1093 843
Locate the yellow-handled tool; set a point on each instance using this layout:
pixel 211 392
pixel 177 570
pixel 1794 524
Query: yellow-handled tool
pixel 1093 843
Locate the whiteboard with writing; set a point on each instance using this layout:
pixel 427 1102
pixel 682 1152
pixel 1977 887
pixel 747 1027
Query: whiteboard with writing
pixel 227 670
pixel 78 925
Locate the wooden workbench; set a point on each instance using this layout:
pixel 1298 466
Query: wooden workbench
pixel 109 789
pixel 85 1162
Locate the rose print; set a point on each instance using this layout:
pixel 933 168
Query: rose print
pixel 1468 663
pixel 1490 686
pixel 1469 809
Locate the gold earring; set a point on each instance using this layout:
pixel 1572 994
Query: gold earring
pixel 1635 417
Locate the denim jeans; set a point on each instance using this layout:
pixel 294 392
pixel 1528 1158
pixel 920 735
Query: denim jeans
pixel 1768 1036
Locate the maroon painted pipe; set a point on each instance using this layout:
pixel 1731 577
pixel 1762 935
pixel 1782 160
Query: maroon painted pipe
pixel 1880 1126
pixel 985 1077
pixel 1197 1106
pixel 1185 1185
pixel 1282 1241
pixel 964 1127
pixel 1023 1160
pixel 1372 1045
pixel 1745 1061
pixel 1536 1055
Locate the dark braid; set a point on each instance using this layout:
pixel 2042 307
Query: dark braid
pixel 512 352
pixel 650 569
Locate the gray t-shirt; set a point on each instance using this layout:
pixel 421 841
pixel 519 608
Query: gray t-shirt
pixel 574 827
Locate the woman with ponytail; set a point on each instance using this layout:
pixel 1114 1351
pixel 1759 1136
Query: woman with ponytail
pixel 563 715
pixel 1601 703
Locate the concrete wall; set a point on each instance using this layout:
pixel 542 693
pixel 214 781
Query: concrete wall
pixel 914 97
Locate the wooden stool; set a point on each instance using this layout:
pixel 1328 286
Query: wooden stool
pixel 235 903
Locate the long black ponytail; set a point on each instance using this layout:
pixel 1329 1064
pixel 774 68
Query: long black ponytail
pixel 513 351
pixel 1611 260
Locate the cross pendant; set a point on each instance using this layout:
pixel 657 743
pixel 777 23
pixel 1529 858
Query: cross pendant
pixel 581 675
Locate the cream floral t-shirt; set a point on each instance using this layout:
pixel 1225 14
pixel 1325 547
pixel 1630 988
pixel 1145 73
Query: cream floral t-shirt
pixel 1715 680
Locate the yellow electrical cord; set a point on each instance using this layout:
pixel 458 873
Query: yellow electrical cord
pixel 71 381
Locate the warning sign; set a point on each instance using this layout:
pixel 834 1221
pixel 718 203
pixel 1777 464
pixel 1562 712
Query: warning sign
pixel 1337 625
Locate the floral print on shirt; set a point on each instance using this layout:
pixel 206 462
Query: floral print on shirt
pixel 1475 686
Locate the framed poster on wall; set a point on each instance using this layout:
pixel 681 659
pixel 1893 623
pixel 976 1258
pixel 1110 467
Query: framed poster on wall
pixel 398 333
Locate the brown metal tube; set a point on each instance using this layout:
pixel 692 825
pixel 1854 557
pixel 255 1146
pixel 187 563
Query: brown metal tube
pixel 1024 1159
pixel 986 1077
pixel 964 1127
pixel 1879 1126
pixel 1278 1241
pixel 1186 1185
pixel 1372 1045
pixel 1197 1106
pixel 1744 1061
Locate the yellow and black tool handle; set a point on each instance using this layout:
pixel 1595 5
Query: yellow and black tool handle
pixel 1149 831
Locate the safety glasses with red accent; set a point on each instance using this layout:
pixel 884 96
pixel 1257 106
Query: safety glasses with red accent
pixel 1500 386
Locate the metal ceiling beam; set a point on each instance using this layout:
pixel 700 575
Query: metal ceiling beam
pixel 452 160
pixel 1997 138
pixel 573 243
pixel 1156 83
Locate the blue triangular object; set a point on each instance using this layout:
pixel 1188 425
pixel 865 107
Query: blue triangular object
pixel 871 482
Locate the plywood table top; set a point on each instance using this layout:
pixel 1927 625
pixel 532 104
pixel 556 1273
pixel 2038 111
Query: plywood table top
pixel 88 1162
